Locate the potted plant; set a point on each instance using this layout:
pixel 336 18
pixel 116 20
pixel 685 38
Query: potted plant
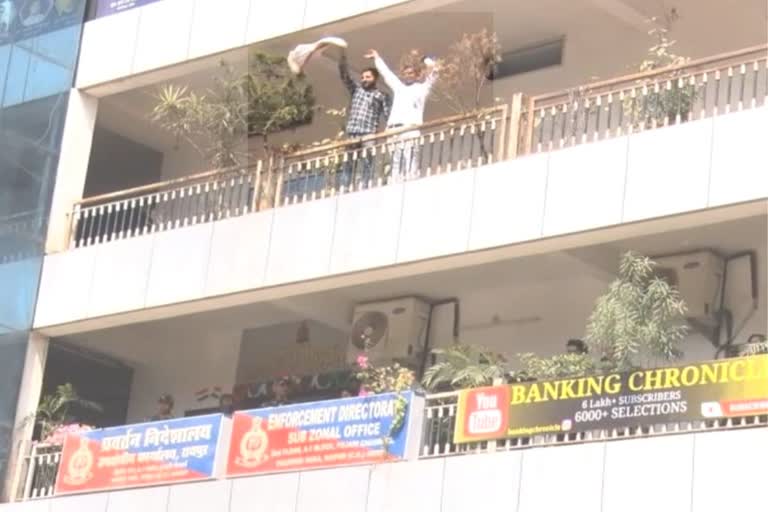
pixel 464 366
pixel 668 96
pixel 395 378
pixel 637 323
pixel 265 99
pixel 53 415
pixel 464 74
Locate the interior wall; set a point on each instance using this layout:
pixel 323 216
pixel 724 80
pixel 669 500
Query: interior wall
pixel 531 318
pixel 119 163
pixel 535 310
pixel 272 351
pixel 181 366
pixel 598 46
pixel 540 318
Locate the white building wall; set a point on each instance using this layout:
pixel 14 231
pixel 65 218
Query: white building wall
pixel 585 187
pixel 174 366
pixel 172 31
pixel 707 472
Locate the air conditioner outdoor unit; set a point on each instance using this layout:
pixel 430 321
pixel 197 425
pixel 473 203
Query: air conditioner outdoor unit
pixel 699 278
pixel 389 331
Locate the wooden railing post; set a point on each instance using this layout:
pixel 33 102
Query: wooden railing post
pixel 277 169
pixel 530 125
pixel 515 120
pixel 257 186
pixel 71 234
pixel 29 477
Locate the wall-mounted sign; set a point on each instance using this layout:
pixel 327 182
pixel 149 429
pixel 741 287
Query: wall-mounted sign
pixel 709 390
pixel 23 19
pixel 162 452
pixel 325 434
pixel 107 7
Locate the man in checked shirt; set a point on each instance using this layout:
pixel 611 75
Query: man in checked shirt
pixel 368 109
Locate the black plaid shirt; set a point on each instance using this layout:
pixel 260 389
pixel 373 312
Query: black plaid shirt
pixel 368 107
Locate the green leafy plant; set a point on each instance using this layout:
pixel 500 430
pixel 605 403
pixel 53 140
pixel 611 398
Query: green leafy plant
pixel 556 367
pixel 464 366
pixel 214 122
pixel 264 100
pixel 278 100
pixel 54 410
pixel 639 320
pixel 665 97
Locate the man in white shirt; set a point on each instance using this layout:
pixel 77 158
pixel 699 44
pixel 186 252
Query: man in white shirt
pixel 410 97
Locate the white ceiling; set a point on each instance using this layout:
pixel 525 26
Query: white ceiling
pixel 518 23
pixel 512 289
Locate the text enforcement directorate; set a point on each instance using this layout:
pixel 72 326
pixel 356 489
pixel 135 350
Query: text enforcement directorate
pixel 359 411
pixel 747 369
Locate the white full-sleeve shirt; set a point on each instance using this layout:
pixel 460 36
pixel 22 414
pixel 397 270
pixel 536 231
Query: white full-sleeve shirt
pixel 409 100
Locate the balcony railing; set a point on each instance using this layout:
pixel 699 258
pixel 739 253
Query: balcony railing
pixel 601 110
pixel 440 421
pixel 39 468
pixel 441 146
pixel 667 96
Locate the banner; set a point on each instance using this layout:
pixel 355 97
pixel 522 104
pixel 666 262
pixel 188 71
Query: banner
pixel 162 452
pixel 107 7
pixel 709 390
pixel 324 434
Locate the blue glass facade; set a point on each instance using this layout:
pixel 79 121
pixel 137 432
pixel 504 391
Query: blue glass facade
pixel 39 45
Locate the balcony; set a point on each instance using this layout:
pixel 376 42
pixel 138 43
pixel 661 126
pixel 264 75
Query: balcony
pixel 680 460
pixel 525 303
pixel 515 161
pixel 622 109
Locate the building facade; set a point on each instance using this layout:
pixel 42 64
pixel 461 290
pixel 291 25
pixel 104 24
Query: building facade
pixel 134 267
pixel 38 56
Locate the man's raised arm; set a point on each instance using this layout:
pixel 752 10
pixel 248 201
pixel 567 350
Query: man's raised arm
pixel 389 77
pixel 344 73
pixel 431 72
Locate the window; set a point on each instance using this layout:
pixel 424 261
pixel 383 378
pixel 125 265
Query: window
pixel 530 58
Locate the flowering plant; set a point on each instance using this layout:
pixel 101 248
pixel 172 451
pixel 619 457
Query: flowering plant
pixel 59 434
pixel 386 379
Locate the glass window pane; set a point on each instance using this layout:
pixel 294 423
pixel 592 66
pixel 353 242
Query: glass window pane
pixel 13 349
pixel 45 78
pixel 16 79
pixel 5 55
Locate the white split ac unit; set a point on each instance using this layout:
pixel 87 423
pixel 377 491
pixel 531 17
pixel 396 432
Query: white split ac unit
pixel 389 331
pixel 699 278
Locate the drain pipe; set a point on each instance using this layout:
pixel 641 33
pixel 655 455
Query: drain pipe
pixel 425 357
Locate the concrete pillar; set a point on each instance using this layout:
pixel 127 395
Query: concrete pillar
pixel 29 398
pixel 76 142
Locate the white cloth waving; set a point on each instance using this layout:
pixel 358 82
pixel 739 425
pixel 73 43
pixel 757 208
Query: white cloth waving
pixel 300 55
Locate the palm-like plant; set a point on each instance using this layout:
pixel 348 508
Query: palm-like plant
pixel 464 366
pixel 54 409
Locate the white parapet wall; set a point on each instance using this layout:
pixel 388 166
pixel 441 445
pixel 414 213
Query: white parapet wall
pixel 170 32
pixel 703 472
pixel 690 167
